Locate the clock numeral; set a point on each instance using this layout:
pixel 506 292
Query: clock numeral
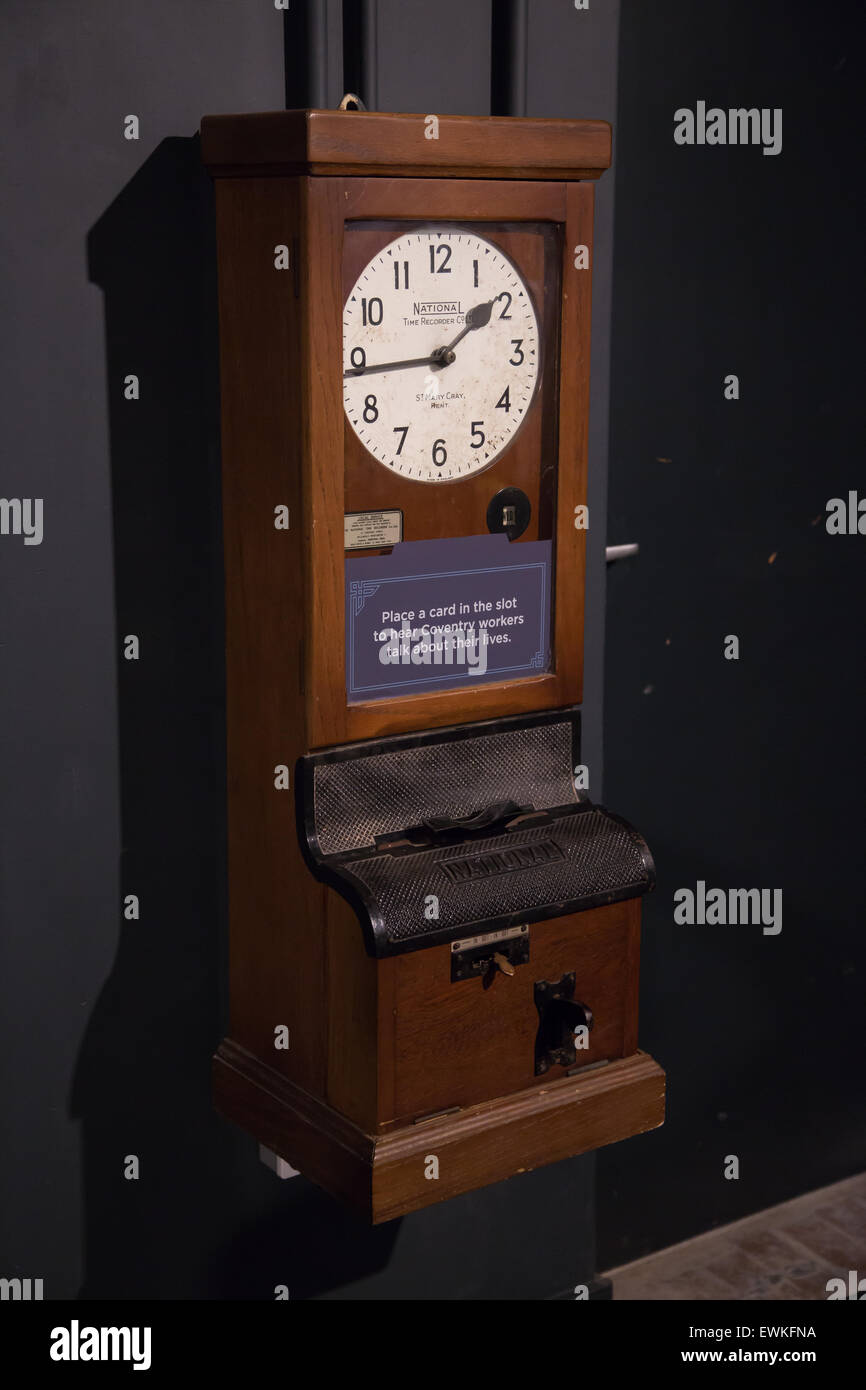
pixel 444 254
pixel 372 312
pixel 397 275
pixel 504 402
pixel 505 295
pixel 440 453
pixel 370 411
pixel 475 273
pixel 358 358
pixel 403 430
pixel 477 434
pixel 518 357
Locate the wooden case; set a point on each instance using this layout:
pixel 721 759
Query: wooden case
pixel 374 1046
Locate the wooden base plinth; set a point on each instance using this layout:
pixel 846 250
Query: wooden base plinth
pixel 390 1174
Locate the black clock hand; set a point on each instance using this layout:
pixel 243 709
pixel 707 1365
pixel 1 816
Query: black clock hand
pixel 478 317
pixel 391 366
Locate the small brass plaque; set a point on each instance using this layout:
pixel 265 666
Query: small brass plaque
pixel 372 530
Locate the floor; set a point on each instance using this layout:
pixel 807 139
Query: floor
pixel 785 1252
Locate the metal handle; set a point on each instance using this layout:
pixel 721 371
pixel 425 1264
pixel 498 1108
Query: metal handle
pixel 621 552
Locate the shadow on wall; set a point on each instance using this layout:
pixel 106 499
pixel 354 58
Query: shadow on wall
pixel 204 1219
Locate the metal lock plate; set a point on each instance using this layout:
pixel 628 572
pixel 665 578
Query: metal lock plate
pixel 559 1013
pixel 475 955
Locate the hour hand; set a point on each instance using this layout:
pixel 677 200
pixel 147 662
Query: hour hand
pixel 478 317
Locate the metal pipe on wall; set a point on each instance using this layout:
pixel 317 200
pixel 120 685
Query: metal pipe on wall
pixel 313 45
pixel 509 44
pixel 360 50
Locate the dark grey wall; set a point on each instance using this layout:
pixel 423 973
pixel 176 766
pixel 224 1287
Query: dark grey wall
pixel 751 772
pixel 113 769
pixel 428 58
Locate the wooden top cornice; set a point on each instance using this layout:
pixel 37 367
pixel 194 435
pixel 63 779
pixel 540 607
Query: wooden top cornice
pixel 382 143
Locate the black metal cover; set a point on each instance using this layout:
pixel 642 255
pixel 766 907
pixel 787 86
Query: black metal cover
pixel 478 823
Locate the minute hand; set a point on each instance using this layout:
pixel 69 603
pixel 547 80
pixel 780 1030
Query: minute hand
pixel 390 366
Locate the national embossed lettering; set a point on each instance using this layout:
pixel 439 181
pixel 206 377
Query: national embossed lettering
pixel 502 861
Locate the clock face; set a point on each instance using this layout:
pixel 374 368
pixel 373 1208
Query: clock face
pixel 440 354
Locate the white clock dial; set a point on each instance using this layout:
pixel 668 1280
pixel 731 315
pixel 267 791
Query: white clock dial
pixel 440 354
